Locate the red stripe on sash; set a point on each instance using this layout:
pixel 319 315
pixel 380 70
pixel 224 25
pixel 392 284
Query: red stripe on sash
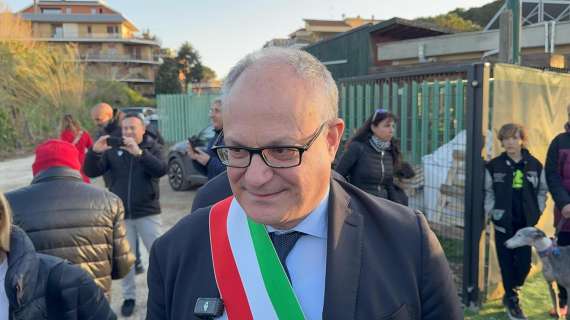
pixel 225 269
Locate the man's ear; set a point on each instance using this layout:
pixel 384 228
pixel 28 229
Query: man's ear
pixel 334 135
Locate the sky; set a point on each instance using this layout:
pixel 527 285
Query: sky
pixel 226 30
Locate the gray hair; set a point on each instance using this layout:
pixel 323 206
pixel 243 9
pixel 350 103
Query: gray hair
pixel 307 67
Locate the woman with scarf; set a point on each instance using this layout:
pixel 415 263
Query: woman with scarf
pixel 372 158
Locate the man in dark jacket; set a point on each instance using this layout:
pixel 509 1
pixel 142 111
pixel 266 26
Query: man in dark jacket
pixel 135 168
pixel 557 169
pixel 207 160
pixel 108 121
pixel 58 199
pixel 330 250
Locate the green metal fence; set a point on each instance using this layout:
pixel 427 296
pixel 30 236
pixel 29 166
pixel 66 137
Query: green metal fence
pixel 181 116
pixel 430 113
pixel 437 110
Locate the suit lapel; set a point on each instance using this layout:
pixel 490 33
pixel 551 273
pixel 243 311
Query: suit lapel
pixel 344 255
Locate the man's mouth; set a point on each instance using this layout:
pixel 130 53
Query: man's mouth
pixel 265 195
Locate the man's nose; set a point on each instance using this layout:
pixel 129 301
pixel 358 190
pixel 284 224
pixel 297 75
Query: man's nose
pixel 258 173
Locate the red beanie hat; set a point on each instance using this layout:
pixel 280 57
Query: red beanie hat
pixel 55 153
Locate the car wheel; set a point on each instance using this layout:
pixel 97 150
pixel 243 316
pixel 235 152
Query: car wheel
pixel 176 177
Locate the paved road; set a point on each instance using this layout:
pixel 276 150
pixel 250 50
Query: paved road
pixel 18 173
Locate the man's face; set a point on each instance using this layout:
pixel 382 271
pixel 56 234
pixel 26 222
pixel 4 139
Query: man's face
pixel 133 128
pixel 270 106
pixel 216 116
pixel 100 118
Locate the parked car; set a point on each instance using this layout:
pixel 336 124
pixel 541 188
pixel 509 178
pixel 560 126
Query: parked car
pixel 148 113
pixel 182 172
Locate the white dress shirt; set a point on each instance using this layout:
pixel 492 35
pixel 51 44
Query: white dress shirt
pixel 307 260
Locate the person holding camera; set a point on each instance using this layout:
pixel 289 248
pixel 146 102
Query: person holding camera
pixel 135 163
pixel 208 160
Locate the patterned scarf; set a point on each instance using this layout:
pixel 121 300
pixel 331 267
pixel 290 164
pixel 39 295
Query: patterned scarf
pixel 378 144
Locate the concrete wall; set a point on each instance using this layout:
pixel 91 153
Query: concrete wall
pixel 465 44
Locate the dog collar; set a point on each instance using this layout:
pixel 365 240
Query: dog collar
pixel 552 250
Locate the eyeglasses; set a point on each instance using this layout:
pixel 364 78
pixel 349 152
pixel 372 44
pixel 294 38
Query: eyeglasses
pixel 273 156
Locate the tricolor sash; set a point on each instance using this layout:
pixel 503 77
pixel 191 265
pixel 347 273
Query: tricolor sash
pixel 249 275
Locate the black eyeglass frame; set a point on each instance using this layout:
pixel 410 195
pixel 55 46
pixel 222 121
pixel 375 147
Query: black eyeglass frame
pixel 253 151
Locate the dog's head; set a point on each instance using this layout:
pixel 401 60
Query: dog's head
pixel 525 237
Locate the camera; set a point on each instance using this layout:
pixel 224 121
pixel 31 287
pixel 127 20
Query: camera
pixel 115 142
pixel 195 142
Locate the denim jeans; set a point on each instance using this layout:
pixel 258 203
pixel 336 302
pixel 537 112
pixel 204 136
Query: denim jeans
pixel 148 228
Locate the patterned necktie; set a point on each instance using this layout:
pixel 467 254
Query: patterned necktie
pixel 283 244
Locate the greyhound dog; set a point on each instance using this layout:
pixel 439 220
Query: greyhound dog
pixel 555 260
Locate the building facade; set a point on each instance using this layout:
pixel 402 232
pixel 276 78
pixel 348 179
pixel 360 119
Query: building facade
pixel 318 30
pixel 108 44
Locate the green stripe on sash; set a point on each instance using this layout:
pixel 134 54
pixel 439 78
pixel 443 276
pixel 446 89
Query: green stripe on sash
pixel 276 283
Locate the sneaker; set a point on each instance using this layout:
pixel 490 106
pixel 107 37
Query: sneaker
pixel 514 310
pixel 139 269
pixel 128 307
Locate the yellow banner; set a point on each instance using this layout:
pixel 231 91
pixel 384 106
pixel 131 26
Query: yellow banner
pixel 537 100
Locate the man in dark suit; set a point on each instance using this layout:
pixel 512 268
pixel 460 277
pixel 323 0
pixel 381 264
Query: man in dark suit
pixel 346 254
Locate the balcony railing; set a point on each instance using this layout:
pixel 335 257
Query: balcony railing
pixel 108 57
pixel 99 36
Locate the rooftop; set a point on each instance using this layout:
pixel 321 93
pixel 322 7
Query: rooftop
pixel 407 29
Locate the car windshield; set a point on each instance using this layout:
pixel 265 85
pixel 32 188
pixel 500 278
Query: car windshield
pixel 144 110
pixel 206 134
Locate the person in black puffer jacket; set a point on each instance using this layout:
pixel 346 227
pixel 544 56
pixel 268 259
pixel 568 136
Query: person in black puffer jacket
pixel 135 169
pixel 38 286
pixel 94 235
pixel 373 159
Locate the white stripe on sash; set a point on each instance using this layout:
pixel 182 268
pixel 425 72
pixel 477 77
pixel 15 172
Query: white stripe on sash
pixel 244 254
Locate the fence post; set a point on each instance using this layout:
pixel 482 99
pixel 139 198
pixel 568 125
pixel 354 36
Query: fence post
pixel 477 96
pixel 415 147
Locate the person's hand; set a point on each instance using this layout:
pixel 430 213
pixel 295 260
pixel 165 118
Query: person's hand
pixel 199 155
pixel 101 145
pixel 131 146
pixel 190 149
pixel 566 211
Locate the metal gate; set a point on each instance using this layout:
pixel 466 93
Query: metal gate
pixel 182 115
pixel 439 111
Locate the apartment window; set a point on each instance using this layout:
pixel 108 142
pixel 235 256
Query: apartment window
pixel 100 10
pixel 68 10
pixel 51 11
pixel 112 29
pixel 93 11
pixel 89 30
pixel 57 31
